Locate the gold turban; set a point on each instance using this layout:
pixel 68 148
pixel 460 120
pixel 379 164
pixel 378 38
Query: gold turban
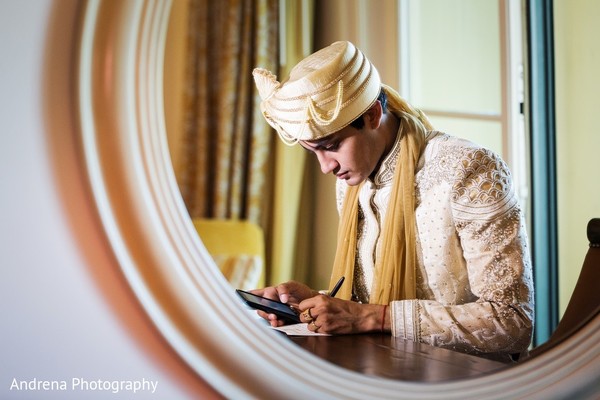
pixel 324 93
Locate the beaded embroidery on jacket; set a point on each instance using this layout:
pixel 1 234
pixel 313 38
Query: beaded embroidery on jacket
pixel 474 280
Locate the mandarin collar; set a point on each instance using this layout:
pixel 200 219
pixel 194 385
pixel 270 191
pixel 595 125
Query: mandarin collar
pixel 385 175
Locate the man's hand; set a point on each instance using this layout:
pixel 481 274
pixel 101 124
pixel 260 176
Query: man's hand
pixel 330 315
pixel 291 293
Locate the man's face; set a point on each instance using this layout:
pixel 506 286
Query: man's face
pixel 350 154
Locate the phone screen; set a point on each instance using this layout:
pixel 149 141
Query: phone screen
pixel 271 306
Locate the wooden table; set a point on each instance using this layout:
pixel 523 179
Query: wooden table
pixel 388 357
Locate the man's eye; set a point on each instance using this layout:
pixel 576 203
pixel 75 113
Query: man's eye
pixel 332 146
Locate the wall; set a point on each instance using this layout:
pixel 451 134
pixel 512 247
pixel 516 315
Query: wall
pixel 67 312
pixel 577 53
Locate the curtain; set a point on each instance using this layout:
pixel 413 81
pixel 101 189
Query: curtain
pixel 226 145
pixel 230 163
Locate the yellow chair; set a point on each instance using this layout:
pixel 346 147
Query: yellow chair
pixel 237 247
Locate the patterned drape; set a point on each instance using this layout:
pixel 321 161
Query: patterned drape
pixel 226 141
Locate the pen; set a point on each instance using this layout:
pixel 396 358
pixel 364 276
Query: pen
pixel 337 287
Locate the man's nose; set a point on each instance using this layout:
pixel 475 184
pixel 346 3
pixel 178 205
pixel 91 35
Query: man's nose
pixel 327 163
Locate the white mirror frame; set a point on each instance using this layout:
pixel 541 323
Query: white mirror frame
pixel 120 98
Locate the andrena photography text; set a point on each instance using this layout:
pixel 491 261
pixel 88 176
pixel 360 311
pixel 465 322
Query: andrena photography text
pixel 84 385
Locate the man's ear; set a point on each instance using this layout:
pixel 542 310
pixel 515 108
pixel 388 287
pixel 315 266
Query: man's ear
pixel 373 115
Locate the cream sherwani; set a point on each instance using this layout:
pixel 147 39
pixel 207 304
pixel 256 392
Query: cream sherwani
pixel 474 279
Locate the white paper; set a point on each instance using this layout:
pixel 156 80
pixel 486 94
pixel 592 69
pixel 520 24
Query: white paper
pixel 299 330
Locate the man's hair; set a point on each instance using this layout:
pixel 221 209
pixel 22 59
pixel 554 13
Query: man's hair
pixel 359 122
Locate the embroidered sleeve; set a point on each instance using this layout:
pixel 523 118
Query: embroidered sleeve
pixel 492 235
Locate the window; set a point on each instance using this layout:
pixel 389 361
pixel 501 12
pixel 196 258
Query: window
pixel 462 63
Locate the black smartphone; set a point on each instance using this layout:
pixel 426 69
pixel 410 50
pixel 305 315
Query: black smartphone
pixel 282 310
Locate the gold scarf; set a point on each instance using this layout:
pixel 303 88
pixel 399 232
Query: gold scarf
pixel 394 275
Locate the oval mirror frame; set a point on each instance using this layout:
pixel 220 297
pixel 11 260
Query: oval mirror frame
pixel 120 100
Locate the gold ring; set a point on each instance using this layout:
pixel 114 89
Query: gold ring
pixel 306 315
pixel 315 325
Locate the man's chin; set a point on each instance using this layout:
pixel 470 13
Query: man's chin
pixel 353 181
